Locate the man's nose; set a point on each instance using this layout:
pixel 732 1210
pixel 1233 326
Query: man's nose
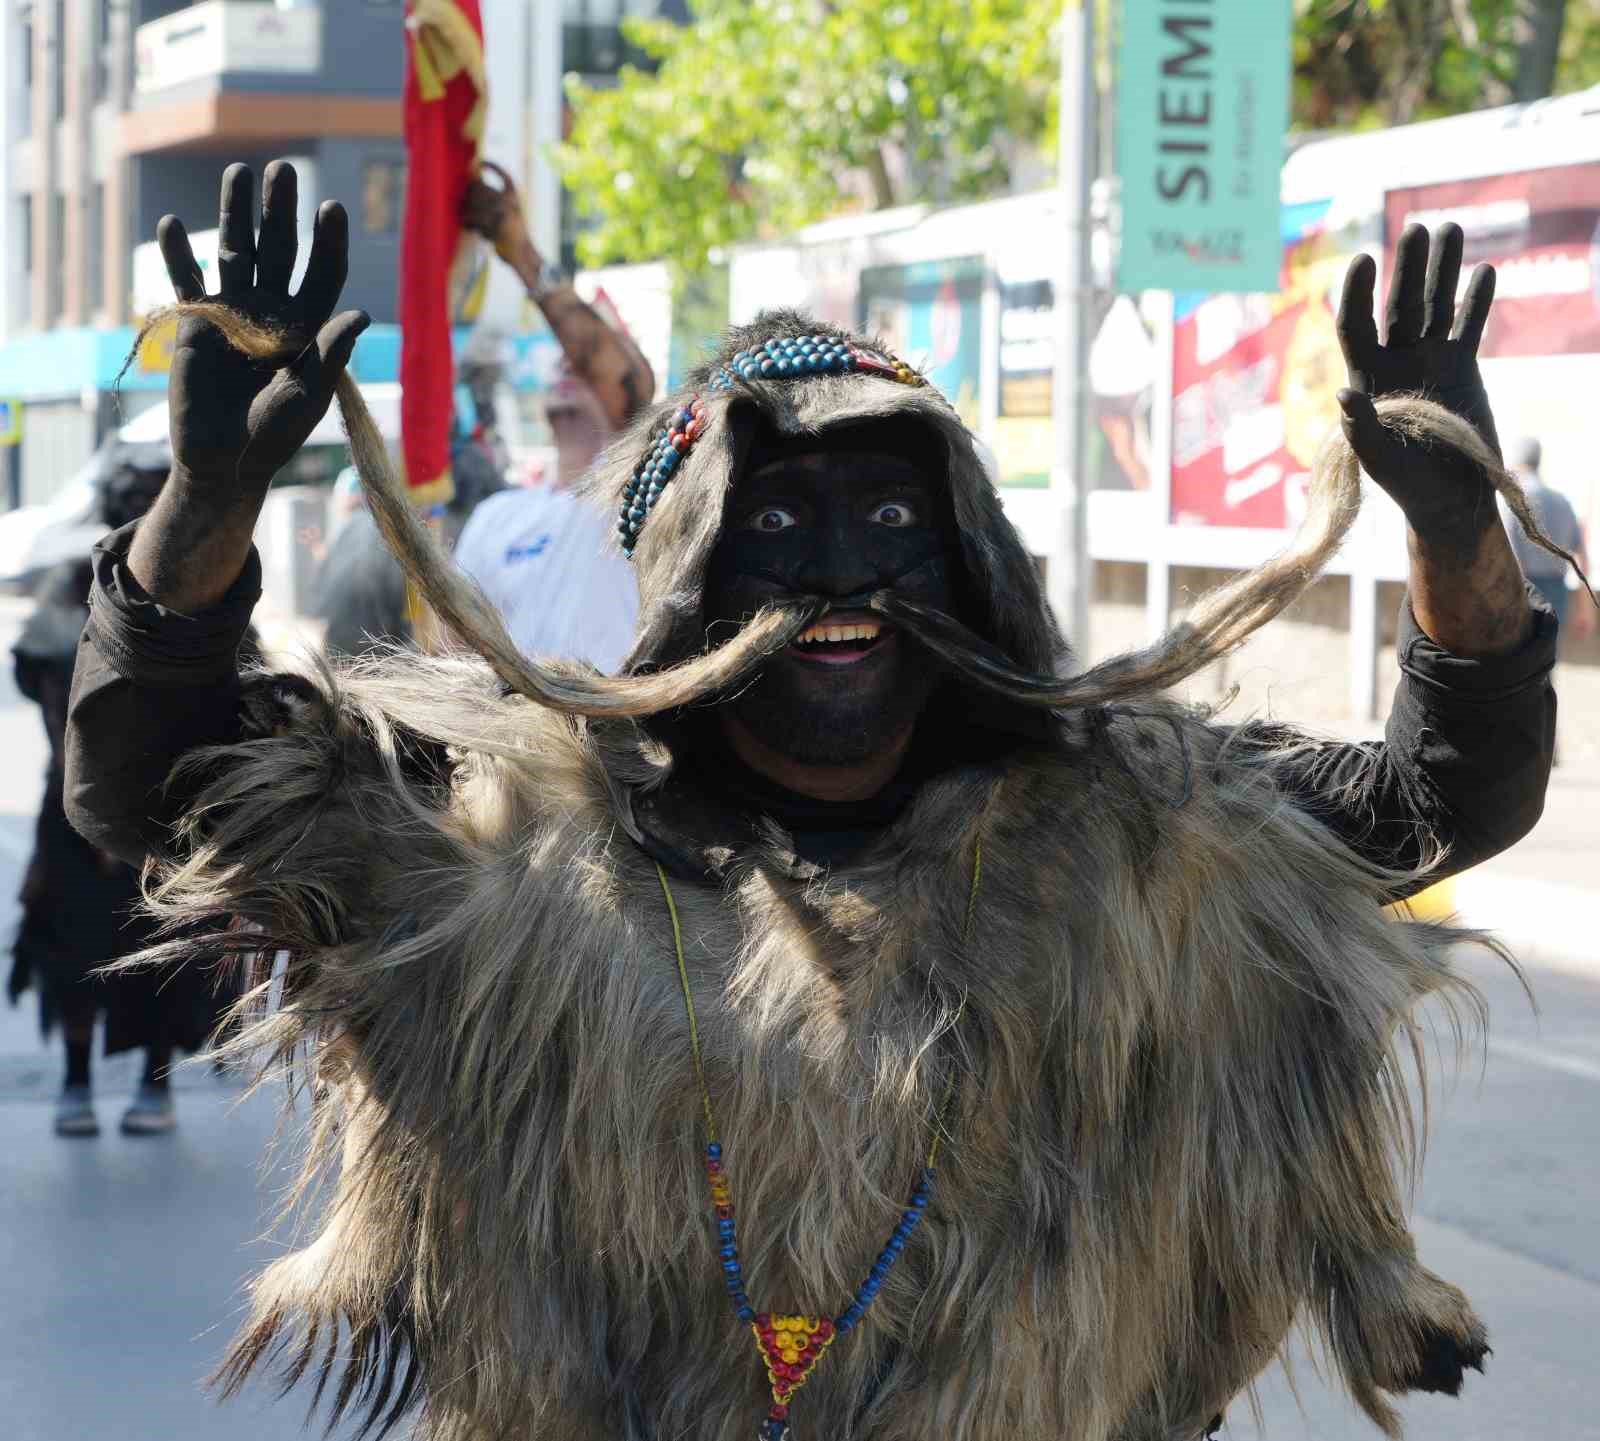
pixel 838 567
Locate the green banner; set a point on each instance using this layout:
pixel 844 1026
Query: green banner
pixel 1202 106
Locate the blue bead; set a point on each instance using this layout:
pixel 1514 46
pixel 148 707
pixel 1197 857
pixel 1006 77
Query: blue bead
pixel 730 1252
pixel 869 1288
pixel 768 367
pixel 669 462
pixel 684 417
pixel 897 1243
pixel 746 1314
pixel 731 1267
pixel 725 1228
pixel 784 366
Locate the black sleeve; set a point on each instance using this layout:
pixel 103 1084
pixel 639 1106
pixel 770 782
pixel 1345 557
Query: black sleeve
pixel 1462 768
pixel 149 686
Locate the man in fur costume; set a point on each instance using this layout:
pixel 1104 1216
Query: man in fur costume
pixel 848 1017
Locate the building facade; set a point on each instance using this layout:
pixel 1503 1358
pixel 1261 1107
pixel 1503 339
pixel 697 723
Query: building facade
pixel 117 112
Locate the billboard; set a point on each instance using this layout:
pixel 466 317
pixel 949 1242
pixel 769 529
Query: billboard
pixel 1541 230
pixel 1254 384
pixel 931 315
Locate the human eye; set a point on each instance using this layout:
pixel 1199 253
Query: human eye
pixel 771 520
pixel 895 513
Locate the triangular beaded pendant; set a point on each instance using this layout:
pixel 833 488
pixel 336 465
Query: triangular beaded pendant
pixel 791 1346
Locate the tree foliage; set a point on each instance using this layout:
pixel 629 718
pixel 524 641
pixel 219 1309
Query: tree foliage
pixel 1387 62
pixel 761 116
pixel 764 115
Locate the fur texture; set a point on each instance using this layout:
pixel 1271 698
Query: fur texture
pixel 1181 1113
pixel 1182 1119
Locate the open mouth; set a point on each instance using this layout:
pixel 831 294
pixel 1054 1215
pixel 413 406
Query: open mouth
pixel 837 641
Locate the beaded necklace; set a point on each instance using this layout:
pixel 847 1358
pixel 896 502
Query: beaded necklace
pixel 791 1346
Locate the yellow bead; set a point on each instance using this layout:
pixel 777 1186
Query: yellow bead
pixel 812 1327
pixel 789 1354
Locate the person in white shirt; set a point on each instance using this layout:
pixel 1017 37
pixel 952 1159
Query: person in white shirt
pixel 541 555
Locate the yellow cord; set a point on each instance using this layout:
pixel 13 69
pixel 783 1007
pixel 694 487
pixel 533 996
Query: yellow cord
pixel 694 1027
pixel 688 1005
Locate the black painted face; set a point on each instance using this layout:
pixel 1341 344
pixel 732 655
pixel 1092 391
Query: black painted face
pixel 840 525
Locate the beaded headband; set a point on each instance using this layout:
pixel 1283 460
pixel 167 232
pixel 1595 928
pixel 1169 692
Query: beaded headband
pixel 777 359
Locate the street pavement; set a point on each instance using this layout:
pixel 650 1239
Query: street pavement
pixel 124 1260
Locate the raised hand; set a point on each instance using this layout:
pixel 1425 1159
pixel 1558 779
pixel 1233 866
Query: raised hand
pixel 1430 350
pixel 495 212
pixel 236 421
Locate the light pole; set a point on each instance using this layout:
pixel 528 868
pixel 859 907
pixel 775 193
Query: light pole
pixel 1069 576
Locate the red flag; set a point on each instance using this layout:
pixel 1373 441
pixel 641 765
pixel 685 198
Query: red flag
pixel 446 101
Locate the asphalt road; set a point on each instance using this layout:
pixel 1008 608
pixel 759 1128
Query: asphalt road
pixel 124 1261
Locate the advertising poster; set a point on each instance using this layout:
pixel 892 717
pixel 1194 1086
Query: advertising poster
pixel 1541 231
pixel 1200 143
pixel 1254 384
pixel 1121 384
pixel 1541 350
pixel 931 314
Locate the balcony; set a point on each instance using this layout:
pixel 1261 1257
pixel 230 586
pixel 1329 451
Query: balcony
pixel 219 37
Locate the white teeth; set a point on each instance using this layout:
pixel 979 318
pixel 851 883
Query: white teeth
pixel 816 634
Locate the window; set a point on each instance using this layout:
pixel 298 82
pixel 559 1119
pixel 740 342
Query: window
pixel 25 225
pixel 57 258
pixel 94 250
pixel 102 51
pixel 25 46
pixel 58 59
pixel 383 184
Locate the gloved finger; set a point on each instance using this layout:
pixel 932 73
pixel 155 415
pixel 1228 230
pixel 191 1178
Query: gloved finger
pixel 236 235
pixel 337 340
pixel 1475 308
pixel 278 243
pixel 1406 312
pixel 1444 275
pixel 182 269
pixel 327 267
pixel 1380 452
pixel 1358 329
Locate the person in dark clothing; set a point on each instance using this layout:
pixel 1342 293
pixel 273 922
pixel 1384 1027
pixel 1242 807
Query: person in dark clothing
pixel 848 857
pixel 79 903
pixel 360 590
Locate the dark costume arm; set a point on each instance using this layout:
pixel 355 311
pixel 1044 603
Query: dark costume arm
pixel 150 686
pixel 1463 766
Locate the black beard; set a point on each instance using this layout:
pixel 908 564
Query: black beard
pixel 841 730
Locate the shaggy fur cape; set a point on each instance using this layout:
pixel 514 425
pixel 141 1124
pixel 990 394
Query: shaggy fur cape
pixel 1181 1118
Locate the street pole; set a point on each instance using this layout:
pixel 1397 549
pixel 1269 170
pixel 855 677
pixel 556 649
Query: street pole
pixel 1069 575
pixel 544 115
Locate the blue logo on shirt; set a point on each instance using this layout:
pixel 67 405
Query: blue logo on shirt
pixel 527 552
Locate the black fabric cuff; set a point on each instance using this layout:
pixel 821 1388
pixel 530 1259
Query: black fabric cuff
pixel 1483 678
pixel 152 645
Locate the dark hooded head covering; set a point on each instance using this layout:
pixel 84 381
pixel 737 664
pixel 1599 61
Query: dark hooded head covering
pixel 745 415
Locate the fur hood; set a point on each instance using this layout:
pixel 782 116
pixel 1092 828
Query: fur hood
pixel 676 542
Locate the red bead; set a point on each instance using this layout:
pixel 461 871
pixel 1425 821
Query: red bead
pixel 764 1321
pixel 679 441
pixel 714 1167
pixel 779 1412
pixel 824 1329
pixel 724 1213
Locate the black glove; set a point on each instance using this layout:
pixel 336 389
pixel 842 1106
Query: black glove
pixel 1442 495
pixel 234 419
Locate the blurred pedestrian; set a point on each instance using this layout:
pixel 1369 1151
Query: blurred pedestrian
pixel 80 904
pixel 1557 518
pixel 360 591
pixel 542 555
